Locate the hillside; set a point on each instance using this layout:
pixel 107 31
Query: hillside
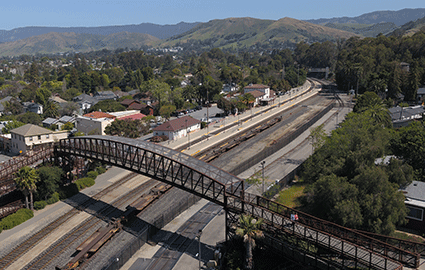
pixel 410 28
pixel 366 30
pixel 243 33
pixel 399 17
pixel 159 31
pixel 51 43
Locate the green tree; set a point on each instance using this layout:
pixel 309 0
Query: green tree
pixel 366 101
pixel 51 109
pixel 317 136
pixel 167 110
pixel 26 179
pixel 68 126
pixel 11 125
pixel 50 180
pixel 249 229
pixel 107 106
pixel 409 144
pixel 127 128
pixel 30 118
pixel 13 106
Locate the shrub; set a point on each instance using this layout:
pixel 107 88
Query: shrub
pixel 15 219
pixel 54 198
pixel 84 182
pixel 92 174
pixel 68 191
pixel 39 205
pixel 100 170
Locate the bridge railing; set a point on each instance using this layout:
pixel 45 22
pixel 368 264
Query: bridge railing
pixel 169 167
pixel 279 215
pixel 412 246
pixel 10 208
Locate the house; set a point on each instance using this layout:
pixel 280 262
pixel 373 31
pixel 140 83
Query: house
pixel 259 87
pixel 229 88
pixel 177 128
pixel 143 108
pixel 402 116
pixel 30 136
pixel 105 95
pixel 268 95
pixel 85 101
pixel 48 122
pixel 420 94
pixel 415 203
pixel 57 99
pixel 94 123
pixel 33 107
pixel 127 102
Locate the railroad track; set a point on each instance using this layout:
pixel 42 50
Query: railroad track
pixel 29 243
pixel 93 223
pixel 33 240
pixel 182 240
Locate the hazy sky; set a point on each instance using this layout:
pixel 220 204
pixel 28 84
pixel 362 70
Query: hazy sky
pixel 20 13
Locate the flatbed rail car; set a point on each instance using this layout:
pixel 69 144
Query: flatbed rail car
pixel 92 244
pixel 215 153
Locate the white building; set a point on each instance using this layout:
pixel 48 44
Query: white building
pixel 177 128
pixel 30 136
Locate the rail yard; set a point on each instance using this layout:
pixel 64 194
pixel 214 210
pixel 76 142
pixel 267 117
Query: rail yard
pixel 114 218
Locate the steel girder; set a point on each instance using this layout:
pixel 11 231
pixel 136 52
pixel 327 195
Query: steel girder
pixel 277 221
pixel 157 162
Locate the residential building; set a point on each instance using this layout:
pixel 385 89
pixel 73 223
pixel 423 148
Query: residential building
pixel 420 95
pixel 177 128
pixel 402 116
pixel 94 123
pixel 268 95
pixel 33 107
pixel 415 203
pixel 105 95
pixel 28 137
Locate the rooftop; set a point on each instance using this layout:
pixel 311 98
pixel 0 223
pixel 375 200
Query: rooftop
pixel 177 124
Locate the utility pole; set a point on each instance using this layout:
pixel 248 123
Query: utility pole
pixel 208 117
pixel 262 165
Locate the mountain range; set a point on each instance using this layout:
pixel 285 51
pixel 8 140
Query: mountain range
pixel 232 33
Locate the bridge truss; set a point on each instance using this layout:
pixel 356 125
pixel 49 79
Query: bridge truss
pixel 320 243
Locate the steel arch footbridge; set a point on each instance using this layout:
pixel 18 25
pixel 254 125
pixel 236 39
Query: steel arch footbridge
pixel 345 247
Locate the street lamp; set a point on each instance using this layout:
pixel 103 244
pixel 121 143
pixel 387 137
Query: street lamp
pixel 199 247
pixel 188 135
pixel 262 165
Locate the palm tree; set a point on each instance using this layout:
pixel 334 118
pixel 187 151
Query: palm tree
pixel 249 229
pixel 25 180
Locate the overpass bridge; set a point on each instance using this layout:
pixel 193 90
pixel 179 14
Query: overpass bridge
pixel 302 240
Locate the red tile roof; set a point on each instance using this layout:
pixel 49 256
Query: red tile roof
pixel 177 124
pixel 133 116
pixel 97 115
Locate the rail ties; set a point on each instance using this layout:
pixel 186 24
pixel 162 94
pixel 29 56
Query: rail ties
pixel 29 243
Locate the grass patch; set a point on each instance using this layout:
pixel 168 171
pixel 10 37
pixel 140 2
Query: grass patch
pixel 408 236
pixel 291 196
